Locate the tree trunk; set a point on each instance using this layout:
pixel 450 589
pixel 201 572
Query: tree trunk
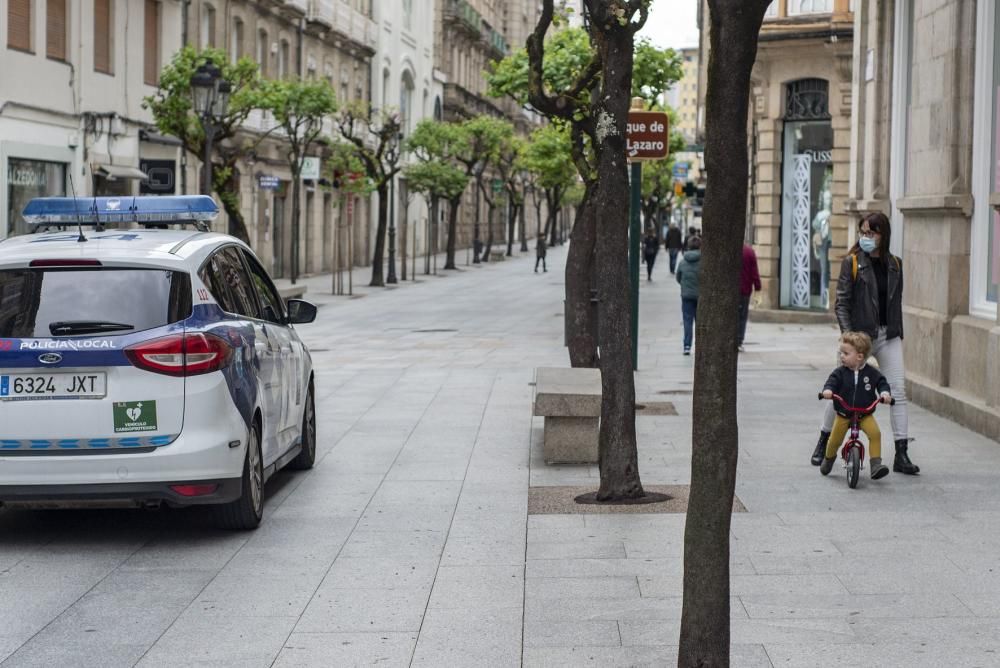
pixel 550 221
pixel 237 224
pixel 704 637
pixel 618 458
pixel 522 216
pixel 511 222
pixel 296 217
pixel 582 320
pixel 449 262
pixel 378 278
pixel 490 208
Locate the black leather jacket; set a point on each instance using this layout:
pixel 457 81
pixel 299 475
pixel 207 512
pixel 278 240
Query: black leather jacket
pixel 857 299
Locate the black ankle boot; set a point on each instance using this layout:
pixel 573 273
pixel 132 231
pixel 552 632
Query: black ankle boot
pixel 817 457
pixel 902 463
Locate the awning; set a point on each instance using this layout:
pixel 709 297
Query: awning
pixel 115 172
pixel 156 138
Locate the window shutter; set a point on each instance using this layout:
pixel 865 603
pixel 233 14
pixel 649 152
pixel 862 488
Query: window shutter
pixel 55 29
pixel 19 24
pixel 102 36
pixel 151 43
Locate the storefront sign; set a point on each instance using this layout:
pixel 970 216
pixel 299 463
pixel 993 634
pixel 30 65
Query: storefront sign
pixel 268 182
pixel 27 174
pixel 648 135
pixel 161 177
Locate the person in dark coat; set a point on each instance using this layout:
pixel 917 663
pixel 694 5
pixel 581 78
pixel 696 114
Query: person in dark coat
pixel 650 246
pixel 674 245
pixel 749 281
pixel 540 253
pixel 688 272
pixel 692 233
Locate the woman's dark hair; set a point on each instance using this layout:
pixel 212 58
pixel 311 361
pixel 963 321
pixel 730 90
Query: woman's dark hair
pixel 877 222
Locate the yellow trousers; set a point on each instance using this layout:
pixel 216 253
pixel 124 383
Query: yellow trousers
pixel 868 425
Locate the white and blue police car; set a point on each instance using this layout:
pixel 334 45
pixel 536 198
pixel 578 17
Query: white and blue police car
pixel 146 366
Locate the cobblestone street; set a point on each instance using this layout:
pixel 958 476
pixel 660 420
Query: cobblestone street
pixel 410 543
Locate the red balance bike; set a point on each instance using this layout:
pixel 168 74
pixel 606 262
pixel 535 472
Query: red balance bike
pixel 853 450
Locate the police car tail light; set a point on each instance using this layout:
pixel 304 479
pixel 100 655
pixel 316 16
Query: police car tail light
pixel 181 354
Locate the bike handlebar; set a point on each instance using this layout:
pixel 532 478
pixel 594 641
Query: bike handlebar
pixel 856 409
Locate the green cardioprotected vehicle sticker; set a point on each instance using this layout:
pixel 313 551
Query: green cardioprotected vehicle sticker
pixel 135 416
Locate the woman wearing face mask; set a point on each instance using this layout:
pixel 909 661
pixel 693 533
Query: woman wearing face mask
pixel 870 300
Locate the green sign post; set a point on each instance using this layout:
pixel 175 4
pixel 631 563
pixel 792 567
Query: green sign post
pixel 648 138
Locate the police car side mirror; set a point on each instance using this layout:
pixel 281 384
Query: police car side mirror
pixel 300 312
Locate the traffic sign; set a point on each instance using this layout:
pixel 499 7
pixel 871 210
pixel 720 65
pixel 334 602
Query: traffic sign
pixel 681 170
pixel 648 135
pixel 497 185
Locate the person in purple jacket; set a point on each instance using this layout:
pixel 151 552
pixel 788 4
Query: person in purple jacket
pixel 749 281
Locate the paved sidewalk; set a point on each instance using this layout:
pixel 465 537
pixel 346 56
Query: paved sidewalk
pixel 410 543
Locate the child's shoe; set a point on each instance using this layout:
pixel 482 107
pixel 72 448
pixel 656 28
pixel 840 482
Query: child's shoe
pixel 879 470
pixel 827 465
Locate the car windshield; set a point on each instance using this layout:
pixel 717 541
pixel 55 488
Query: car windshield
pixel 42 303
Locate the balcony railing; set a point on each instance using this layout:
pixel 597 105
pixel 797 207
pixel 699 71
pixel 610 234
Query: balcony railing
pixel 462 13
pixel 350 23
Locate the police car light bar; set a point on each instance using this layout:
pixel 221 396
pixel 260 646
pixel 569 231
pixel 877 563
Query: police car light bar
pixel 150 209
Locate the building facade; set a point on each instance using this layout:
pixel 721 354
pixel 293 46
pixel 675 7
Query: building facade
pixel 926 142
pixel 84 131
pixel 406 82
pixel 334 40
pixel 800 119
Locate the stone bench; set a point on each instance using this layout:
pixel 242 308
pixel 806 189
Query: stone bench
pixel 570 402
pixel 296 291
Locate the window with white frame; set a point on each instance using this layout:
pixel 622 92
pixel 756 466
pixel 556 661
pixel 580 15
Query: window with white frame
pixel 796 7
pixel 772 10
pixel 985 249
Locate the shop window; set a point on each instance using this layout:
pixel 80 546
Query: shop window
pixel 27 179
pixel 807 196
pixel 985 260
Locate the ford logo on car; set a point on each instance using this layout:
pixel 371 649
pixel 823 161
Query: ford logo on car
pixel 50 358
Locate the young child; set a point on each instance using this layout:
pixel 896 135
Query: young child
pixel 859 385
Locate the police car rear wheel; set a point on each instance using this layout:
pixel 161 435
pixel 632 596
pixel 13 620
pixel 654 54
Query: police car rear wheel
pixel 247 511
pixel 307 456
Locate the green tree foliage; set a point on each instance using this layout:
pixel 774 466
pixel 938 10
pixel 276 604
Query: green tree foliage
pixel 654 71
pixel 485 140
pixel 376 143
pixel 299 109
pixel 547 155
pixel 173 112
pixel 435 142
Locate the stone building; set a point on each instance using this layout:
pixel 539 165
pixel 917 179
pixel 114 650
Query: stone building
pixel 406 82
pixel 468 35
pixel 71 116
pixel 330 39
pixel 925 144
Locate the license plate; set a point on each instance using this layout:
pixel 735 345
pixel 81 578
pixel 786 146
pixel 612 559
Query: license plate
pixel 29 386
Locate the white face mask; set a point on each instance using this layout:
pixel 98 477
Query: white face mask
pixel 867 244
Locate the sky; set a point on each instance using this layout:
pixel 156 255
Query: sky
pixel 672 23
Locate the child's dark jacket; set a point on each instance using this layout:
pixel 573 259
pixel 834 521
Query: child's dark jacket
pixel 870 385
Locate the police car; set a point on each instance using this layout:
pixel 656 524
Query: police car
pixel 146 366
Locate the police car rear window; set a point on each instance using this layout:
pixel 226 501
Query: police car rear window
pixel 45 303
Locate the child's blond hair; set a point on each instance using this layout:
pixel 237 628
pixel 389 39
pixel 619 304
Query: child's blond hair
pixel 859 341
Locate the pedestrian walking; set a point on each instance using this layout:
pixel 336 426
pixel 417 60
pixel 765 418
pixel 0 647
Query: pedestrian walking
pixel 674 245
pixel 687 275
pixel 870 300
pixel 540 253
pixel 692 233
pixel 749 282
pixel 650 247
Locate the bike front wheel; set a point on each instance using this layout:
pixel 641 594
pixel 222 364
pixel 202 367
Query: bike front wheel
pixel 853 467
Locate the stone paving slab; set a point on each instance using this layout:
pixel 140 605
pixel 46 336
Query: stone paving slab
pixel 410 543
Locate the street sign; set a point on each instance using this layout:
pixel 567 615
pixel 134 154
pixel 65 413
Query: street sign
pixel 497 185
pixel 268 182
pixel 648 135
pixel 310 169
pixel 681 170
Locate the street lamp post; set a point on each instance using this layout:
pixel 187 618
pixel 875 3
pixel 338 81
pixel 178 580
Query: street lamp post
pixel 211 100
